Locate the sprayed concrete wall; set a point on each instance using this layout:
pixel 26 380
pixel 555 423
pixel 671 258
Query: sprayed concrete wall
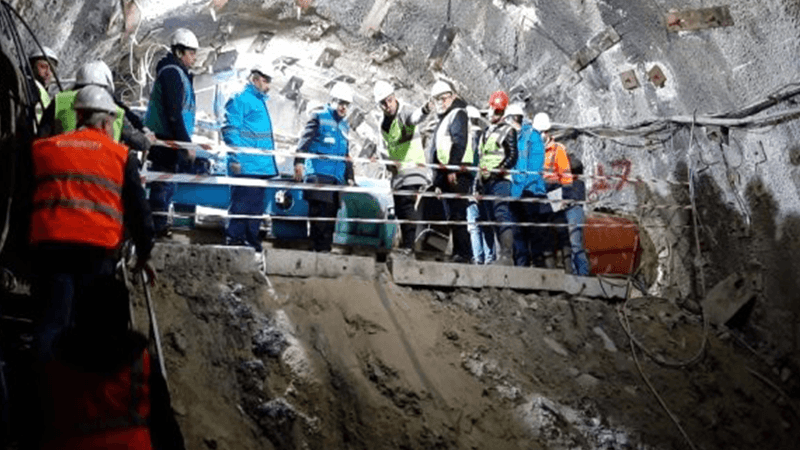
pixel 746 177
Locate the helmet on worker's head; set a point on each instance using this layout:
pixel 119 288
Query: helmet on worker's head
pixel 498 101
pixel 514 109
pixel 440 87
pixel 342 92
pixel 262 70
pixel 184 37
pixel 95 98
pixel 382 90
pixel 96 73
pixel 473 112
pixel 44 52
pixel 541 122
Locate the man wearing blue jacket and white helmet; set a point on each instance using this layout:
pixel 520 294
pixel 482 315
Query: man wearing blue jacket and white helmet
pixel 248 124
pixel 170 115
pixel 326 134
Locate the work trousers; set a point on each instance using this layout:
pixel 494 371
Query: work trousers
pixel 405 209
pixel 246 200
pixel 322 204
pixel 169 160
pixel 499 210
pixel 530 242
pixel 456 211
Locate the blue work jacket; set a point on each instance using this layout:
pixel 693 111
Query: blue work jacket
pixel 248 124
pixel 326 134
pixel 530 160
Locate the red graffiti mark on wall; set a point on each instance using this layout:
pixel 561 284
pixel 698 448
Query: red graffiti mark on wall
pixel 616 179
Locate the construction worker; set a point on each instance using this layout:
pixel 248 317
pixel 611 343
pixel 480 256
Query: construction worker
pixel 102 390
pixel 43 62
pixel 404 145
pixel 60 116
pixel 576 219
pixel 481 236
pixel 326 133
pixel 451 146
pixel 557 174
pixel 248 124
pixel 87 193
pixel 527 183
pixel 171 115
pixel 498 155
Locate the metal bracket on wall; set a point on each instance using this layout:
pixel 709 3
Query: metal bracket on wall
pixel 699 19
pixel 596 45
pixel 327 57
pixel 260 42
pixel 629 80
pixel 442 45
pixel 656 76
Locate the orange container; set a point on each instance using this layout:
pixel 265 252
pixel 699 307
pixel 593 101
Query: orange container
pixel 612 244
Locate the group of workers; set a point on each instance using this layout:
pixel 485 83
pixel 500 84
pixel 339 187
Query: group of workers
pixel 516 165
pixel 88 195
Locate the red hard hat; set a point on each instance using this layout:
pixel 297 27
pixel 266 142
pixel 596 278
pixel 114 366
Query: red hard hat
pixel 498 100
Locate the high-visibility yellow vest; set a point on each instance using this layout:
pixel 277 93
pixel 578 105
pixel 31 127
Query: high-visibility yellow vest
pixel 67 118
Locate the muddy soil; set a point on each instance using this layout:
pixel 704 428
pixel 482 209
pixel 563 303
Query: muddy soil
pixel 349 363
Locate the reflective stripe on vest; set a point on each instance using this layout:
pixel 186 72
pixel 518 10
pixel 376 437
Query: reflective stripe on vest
pixel 444 142
pixel 492 152
pixel 330 139
pixel 67 118
pixel 78 196
pixel 404 143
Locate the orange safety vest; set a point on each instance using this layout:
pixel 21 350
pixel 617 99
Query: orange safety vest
pixel 556 164
pixel 99 411
pixel 78 196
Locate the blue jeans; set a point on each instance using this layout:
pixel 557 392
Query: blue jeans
pixel 575 221
pixel 246 200
pixel 161 193
pixel 481 236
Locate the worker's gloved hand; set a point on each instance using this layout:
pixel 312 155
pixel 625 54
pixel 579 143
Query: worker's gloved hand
pixel 149 271
pixel 235 168
pixel 298 172
pixel 451 178
pixel 351 182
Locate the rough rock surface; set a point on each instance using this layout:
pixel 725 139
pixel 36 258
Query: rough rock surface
pixel 345 363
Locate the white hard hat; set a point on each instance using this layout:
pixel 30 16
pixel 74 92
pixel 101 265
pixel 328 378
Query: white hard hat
pixel 95 98
pixel 342 91
pixel 186 38
pixel 473 112
pixel 95 72
pixel 541 122
pixel 514 109
pixel 382 90
pixel 262 69
pixel 440 87
pixel 48 53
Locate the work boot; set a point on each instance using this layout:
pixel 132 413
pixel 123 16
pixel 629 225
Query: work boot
pixel 506 253
pixel 566 256
pixel 549 260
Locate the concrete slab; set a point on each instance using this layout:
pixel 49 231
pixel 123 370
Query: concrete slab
pixel 408 271
pixel 218 258
pixel 297 263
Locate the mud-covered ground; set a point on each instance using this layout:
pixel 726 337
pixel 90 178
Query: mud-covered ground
pixel 349 363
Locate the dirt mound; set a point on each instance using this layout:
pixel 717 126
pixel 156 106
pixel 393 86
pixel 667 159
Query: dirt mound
pixel 347 363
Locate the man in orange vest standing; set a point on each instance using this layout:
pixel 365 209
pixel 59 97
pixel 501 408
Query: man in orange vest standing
pixel 88 192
